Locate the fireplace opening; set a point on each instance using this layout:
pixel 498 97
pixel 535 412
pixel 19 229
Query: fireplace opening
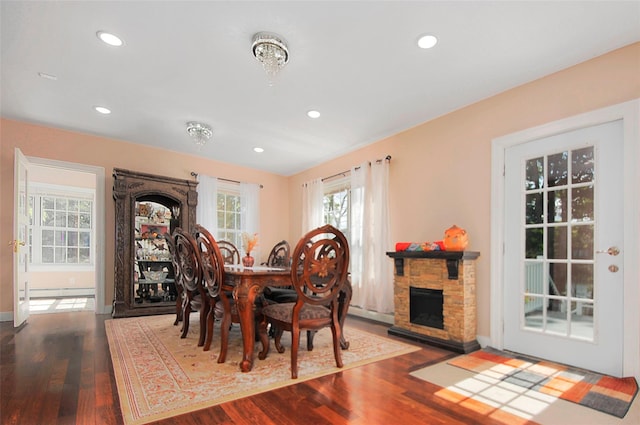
pixel 426 307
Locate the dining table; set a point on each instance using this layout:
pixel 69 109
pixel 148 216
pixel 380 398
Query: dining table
pixel 248 283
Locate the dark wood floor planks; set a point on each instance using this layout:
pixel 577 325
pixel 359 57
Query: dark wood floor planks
pixel 57 370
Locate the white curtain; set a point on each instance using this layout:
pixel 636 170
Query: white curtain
pixel 206 210
pixel 312 207
pixel 250 213
pixel 371 270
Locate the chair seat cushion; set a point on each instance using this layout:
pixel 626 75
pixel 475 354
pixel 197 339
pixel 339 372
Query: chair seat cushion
pixel 281 295
pixel 283 312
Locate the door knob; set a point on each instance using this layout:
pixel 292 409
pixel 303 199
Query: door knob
pixel 614 250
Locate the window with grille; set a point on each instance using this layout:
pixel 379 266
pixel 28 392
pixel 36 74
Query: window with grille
pixel 229 205
pixel 62 228
pixel 337 205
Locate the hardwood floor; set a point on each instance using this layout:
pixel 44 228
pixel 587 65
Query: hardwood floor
pixel 57 370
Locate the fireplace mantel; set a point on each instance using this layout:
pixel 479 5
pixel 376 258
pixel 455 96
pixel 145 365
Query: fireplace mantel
pixel 452 259
pixel 452 272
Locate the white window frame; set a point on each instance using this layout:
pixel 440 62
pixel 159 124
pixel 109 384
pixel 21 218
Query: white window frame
pixel 40 190
pixel 222 232
pixel 332 187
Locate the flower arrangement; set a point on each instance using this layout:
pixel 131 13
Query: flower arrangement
pixel 249 242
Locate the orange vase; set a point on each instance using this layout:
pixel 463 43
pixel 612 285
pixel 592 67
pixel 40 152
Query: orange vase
pixel 248 260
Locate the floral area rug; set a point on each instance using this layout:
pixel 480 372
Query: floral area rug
pixel 160 375
pixel 600 392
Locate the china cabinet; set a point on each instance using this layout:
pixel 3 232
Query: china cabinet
pixel 147 207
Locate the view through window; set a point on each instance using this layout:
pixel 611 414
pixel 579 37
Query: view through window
pixel 229 205
pixel 337 205
pixel 61 229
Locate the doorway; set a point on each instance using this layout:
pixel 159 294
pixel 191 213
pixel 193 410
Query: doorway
pixel 66 193
pixel 557 292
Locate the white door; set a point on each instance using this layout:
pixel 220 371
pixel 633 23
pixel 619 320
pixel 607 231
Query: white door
pixel 563 287
pixel 20 240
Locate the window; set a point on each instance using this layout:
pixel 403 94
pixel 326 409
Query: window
pixel 337 205
pixel 228 209
pixel 62 228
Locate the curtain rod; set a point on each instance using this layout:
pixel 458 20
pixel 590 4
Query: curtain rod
pixel 387 158
pixel 195 175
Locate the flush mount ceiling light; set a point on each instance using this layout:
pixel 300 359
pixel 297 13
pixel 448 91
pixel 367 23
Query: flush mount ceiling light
pixel 271 51
pixel 313 114
pixel 110 39
pixel 427 41
pixel 47 76
pixel 200 133
pixel 102 110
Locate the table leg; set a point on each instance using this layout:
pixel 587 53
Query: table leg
pixel 245 297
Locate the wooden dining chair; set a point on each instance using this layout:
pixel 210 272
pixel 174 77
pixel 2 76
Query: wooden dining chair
pixel 212 263
pixel 229 251
pixel 171 245
pixel 280 256
pixel 322 256
pixel 218 293
pixel 191 276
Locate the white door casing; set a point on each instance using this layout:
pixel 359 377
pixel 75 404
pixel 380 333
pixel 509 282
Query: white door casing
pixel 629 113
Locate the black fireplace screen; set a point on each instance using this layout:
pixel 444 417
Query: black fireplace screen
pixel 425 307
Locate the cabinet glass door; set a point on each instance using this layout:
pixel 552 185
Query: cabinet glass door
pixel 153 271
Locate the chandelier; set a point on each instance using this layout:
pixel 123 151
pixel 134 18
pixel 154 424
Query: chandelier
pixel 200 133
pixel 271 51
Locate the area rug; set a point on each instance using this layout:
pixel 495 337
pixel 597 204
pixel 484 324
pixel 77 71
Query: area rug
pixel 159 375
pixel 590 389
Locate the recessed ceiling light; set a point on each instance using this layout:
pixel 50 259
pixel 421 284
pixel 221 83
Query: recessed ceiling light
pixel 102 110
pixel 259 150
pixel 427 41
pixel 47 76
pixel 313 114
pixel 110 39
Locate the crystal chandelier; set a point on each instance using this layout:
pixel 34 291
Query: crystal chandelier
pixel 200 133
pixel 271 51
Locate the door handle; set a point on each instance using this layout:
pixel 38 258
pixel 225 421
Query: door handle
pixel 613 251
pixel 15 243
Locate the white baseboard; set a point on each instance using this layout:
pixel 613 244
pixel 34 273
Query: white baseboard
pixel 6 316
pixel 484 341
pixel 106 309
pixel 62 292
pixel 372 315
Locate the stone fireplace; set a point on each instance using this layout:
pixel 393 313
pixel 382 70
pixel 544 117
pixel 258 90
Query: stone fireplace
pixel 435 298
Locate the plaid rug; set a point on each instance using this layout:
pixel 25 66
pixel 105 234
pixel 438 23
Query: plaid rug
pixel 596 391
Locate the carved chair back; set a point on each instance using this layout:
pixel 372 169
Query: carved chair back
pixel 322 256
pixel 211 261
pixel 280 255
pixel 230 253
pixel 191 278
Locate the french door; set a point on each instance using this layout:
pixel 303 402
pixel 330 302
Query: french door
pixel 563 262
pixel 20 240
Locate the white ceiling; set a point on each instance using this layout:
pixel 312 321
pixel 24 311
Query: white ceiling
pixel 355 62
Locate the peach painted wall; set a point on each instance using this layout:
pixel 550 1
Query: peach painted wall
pixel 440 171
pixel 62 145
